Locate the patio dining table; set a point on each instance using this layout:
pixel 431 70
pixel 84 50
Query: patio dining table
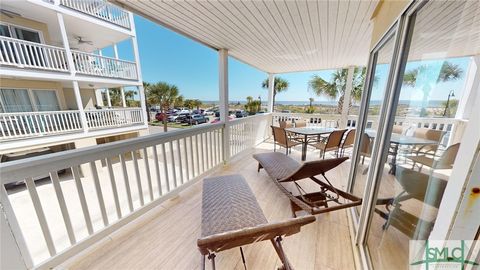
pixel 395 141
pixel 308 134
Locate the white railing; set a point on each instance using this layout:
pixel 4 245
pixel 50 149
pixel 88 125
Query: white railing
pixel 323 120
pixel 31 124
pixel 97 119
pixel 247 132
pixel 453 127
pixel 25 54
pixel 96 65
pixel 96 190
pixel 100 9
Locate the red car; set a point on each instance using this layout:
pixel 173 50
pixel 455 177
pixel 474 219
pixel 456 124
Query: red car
pixel 161 116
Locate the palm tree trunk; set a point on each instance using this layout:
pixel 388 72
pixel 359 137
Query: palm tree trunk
pixel 340 104
pixel 164 120
pixel 273 104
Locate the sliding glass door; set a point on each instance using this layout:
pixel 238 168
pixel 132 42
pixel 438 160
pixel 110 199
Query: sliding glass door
pixel 412 126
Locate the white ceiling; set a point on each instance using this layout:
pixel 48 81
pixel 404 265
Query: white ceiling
pixel 274 36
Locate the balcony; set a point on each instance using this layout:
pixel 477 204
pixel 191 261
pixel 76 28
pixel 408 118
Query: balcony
pixel 100 9
pixel 30 55
pixel 24 125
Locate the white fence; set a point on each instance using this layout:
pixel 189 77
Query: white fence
pixel 96 65
pixel 321 120
pixel 90 192
pixel 100 9
pixel 98 119
pixel 25 54
pixel 247 132
pixel 30 124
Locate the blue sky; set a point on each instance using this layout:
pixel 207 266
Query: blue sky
pixel 170 57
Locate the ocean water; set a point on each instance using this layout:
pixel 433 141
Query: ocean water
pixel 410 103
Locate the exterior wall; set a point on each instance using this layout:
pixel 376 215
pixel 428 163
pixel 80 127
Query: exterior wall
pixel 88 98
pixel 27 23
pixel 30 84
pixel 384 16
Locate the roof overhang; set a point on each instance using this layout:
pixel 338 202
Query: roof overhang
pixel 273 36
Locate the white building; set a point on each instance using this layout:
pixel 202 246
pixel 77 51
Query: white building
pixel 53 77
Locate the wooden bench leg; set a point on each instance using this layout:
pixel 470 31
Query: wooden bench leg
pixel 277 244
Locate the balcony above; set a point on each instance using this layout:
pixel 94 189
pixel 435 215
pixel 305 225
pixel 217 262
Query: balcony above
pixel 35 56
pixel 100 9
pixel 27 125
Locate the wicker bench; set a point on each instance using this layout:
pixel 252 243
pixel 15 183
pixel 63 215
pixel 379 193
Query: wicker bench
pixel 231 217
pixel 282 169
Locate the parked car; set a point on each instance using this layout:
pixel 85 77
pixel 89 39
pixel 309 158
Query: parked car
pixel 183 111
pixel 260 112
pixel 181 118
pixel 241 114
pixel 200 111
pixel 172 117
pixel 160 116
pixel 286 111
pixel 209 112
pixel 196 119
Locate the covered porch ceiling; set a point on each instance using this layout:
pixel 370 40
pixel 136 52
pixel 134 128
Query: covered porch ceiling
pixel 273 36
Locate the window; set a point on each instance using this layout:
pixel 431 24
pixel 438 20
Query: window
pixel 15 100
pixel 45 100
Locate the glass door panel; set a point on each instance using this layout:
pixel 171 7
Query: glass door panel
pixel 378 86
pixel 424 141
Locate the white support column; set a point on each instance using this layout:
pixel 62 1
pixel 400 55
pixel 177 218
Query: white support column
pixel 66 44
pixel 139 72
pixel 109 101
pixel 470 90
pixel 347 97
pixel 99 97
pixel 223 106
pixel 78 99
pixel 122 90
pixel 271 87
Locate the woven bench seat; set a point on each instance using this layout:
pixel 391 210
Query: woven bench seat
pixel 231 217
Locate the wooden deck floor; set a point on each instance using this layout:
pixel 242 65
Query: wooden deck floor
pixel 167 238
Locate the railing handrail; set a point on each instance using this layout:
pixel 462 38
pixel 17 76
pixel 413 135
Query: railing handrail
pixel 103 57
pixel 114 109
pixel 38 112
pixel 121 19
pixel 244 119
pixel 20 169
pixel 31 43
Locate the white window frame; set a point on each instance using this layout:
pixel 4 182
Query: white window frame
pixel 13 34
pixel 32 97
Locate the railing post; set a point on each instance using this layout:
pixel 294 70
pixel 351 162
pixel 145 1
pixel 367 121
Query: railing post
pixel 66 45
pixel 78 99
pixel 271 89
pixel 223 94
pixel 122 90
pixel 347 97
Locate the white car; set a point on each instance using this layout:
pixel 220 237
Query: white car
pixel 208 112
pixel 183 111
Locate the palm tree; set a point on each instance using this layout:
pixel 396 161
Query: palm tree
pixel 146 86
pixel 165 95
pixel 310 108
pixel 337 85
pixel 116 96
pixel 279 85
pixel 197 103
pixel 422 77
pixel 179 102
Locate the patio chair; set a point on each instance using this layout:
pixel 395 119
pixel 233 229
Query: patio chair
pixel 285 124
pixel 444 162
pixel 429 134
pixel 283 169
pixel 331 143
pixel 281 138
pixel 415 185
pixel 348 141
pixel 299 124
pixel 398 129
